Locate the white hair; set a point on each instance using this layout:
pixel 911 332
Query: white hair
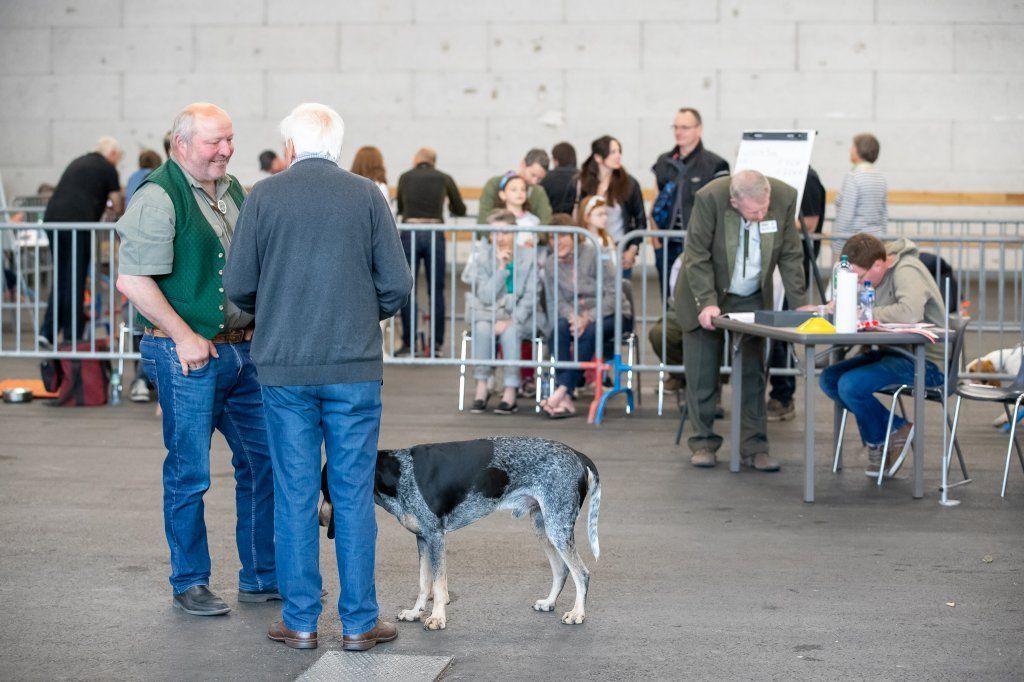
pixel 314 129
pixel 184 125
pixel 107 145
pixel 749 184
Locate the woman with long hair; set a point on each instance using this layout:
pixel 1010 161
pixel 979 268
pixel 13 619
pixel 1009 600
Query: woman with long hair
pixel 602 174
pixel 369 163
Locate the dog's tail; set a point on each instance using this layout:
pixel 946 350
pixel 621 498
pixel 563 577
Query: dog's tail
pixel 594 491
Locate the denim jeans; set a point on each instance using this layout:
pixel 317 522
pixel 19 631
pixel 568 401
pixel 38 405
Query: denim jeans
pixel 225 395
pixel 585 347
pixel 852 383
pixel 345 417
pixel 483 332
pixel 428 249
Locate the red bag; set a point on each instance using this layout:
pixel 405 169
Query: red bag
pixel 76 382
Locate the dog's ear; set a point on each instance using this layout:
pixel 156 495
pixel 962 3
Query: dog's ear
pixel 988 367
pixel 385 479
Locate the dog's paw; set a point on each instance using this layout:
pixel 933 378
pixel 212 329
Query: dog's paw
pixel 435 623
pixel 543 605
pixel 410 615
pixel 573 617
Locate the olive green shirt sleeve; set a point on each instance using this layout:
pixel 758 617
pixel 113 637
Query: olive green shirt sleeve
pixel 488 196
pixel 147 233
pixel 540 205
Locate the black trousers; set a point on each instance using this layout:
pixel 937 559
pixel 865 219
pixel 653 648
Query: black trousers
pixel 428 250
pixel 72 253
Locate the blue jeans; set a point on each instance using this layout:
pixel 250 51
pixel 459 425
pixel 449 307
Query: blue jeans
pixel 428 249
pixel 225 395
pixel 299 420
pixel 852 383
pixel 585 349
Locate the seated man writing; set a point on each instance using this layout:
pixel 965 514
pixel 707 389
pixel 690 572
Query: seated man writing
pixel 904 292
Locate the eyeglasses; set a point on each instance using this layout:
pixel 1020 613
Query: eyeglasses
pixel 678 128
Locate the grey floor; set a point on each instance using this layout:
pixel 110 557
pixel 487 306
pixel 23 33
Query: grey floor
pixel 704 574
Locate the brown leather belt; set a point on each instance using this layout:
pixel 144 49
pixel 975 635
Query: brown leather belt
pixel 230 336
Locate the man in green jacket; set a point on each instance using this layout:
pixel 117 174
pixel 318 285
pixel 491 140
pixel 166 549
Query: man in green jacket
pixel 532 168
pixel 741 229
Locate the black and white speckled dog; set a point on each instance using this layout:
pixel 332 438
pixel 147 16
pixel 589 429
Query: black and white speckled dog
pixel 436 488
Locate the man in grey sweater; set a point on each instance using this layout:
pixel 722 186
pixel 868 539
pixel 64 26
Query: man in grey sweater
pixel 317 258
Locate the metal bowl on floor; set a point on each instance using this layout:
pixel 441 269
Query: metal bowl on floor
pixel 17 395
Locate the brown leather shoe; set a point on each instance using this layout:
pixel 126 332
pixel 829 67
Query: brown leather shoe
pixel 381 632
pixel 293 638
pixel 703 458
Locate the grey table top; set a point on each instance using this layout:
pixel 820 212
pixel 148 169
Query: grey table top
pixel 791 335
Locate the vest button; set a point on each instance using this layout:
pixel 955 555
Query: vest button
pixel 221 326
pixel 221 290
pixel 220 272
pixel 222 307
pixel 220 255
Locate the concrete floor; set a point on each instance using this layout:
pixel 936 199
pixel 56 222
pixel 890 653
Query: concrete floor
pixel 704 574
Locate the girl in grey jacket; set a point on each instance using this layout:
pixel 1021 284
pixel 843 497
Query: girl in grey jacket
pixel 502 308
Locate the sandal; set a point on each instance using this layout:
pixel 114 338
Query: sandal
pixel 506 408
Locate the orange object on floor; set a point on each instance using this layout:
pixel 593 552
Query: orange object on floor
pixel 34 385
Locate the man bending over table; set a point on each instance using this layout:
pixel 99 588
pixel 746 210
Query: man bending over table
pixel 904 292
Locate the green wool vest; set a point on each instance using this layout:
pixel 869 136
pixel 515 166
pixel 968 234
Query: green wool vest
pixel 194 287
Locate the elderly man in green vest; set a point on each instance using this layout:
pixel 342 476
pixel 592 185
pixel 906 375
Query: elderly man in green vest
pixel 175 239
pixel 741 228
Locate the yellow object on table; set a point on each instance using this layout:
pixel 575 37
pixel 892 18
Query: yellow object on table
pixel 816 325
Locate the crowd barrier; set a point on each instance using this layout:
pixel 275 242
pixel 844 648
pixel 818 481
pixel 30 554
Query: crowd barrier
pixel 988 269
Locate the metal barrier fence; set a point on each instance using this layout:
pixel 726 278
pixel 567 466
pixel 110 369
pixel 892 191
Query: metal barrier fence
pixel 989 271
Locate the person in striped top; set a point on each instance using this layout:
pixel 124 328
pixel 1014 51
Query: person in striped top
pixel 862 203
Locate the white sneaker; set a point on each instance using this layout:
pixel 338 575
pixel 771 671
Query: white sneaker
pixel 139 392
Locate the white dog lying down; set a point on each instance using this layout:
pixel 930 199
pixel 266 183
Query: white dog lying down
pixel 1002 361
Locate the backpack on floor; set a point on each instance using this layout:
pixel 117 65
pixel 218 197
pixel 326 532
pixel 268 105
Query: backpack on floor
pixel 77 383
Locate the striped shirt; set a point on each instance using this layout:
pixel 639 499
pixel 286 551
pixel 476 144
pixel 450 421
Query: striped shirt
pixel 861 205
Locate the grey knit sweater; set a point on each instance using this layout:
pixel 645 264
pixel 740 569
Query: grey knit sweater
pixel 317 258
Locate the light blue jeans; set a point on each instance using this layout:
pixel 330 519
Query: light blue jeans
pixel 300 419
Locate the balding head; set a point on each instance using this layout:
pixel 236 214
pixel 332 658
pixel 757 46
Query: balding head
pixel 202 141
pixel 425 155
pixel 109 149
pixel 750 193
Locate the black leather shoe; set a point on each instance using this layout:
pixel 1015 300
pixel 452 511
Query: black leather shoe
pixel 269 594
pixel 199 601
pixel 258 596
pixel 480 406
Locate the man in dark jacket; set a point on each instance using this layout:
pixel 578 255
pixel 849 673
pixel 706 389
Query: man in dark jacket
pixel 689 166
pixel 81 196
pixel 316 257
pixel 560 182
pixel 421 195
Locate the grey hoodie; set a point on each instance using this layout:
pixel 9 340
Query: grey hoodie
pixel 908 293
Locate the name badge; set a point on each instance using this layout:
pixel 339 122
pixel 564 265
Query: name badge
pixel 768 226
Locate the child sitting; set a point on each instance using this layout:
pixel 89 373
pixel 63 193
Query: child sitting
pixel 502 306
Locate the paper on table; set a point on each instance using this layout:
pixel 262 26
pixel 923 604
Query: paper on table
pixel 741 317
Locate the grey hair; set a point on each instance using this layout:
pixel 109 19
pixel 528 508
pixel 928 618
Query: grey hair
pixel 107 145
pixel 184 126
pixel 749 184
pixel 537 156
pixel 314 128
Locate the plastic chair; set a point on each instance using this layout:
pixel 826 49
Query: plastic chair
pixel 1012 394
pixel 933 394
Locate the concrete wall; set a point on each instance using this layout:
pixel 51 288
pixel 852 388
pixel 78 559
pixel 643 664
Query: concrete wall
pixel 940 82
